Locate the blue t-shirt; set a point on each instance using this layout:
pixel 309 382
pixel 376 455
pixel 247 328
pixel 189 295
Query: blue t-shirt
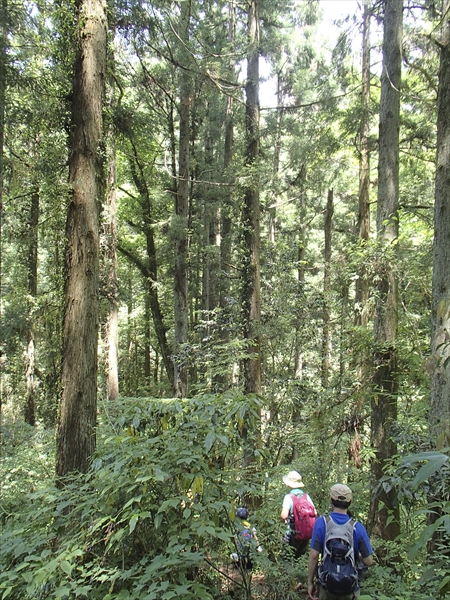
pixel 361 542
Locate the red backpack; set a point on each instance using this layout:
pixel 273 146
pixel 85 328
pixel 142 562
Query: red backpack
pixel 303 517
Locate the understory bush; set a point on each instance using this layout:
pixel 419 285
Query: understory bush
pixel 154 517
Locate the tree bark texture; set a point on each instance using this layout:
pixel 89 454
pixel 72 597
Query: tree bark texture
pixel 275 191
pixel 251 301
pixel 110 260
pixel 3 62
pixel 384 399
pixel 439 415
pixel 182 215
pixel 30 403
pixel 326 331
pixel 362 285
pixel 76 432
pixel 222 380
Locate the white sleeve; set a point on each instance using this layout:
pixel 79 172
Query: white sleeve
pixel 287 503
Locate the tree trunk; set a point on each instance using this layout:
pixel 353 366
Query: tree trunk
pixel 251 303
pixel 384 401
pixel 362 285
pixel 361 358
pixel 150 270
pixel 251 212
pixel 439 415
pixel 112 291
pixel 30 410
pixel 276 162
pixel 182 214
pixel 326 335
pixel 222 381
pixel 76 432
pixel 3 60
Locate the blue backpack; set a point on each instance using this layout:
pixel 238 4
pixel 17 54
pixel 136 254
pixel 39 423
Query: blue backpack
pixel 338 573
pixel 246 545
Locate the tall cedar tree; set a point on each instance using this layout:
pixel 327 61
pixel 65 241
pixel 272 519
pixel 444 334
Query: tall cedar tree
pixel 30 408
pixel 76 432
pixel 439 415
pixel 384 399
pixel 251 296
pixel 3 59
pixel 182 214
pixel 362 286
pixel 251 300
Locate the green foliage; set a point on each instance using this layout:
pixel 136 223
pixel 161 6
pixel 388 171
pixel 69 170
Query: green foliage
pixel 154 516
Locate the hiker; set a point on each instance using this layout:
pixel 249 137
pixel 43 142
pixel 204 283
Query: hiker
pixel 297 505
pixel 345 550
pixel 246 541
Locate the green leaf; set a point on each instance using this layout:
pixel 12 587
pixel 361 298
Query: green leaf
pixel 429 469
pixel 133 522
pixel 210 439
pixel 66 567
pixel 62 592
pixel 158 520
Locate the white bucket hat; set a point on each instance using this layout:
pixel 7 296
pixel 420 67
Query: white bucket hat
pixel 293 480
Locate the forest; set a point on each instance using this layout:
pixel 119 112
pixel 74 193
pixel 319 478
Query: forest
pixel 224 256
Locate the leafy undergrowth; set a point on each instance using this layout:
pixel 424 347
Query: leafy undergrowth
pixel 154 518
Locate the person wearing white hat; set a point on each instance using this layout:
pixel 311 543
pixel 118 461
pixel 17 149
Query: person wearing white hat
pixel 293 480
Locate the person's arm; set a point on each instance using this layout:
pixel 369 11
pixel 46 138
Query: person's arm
pixel 312 568
pixel 364 548
pixel 286 509
pixel 367 560
pixel 284 514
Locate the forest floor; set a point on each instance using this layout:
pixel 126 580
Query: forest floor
pixel 256 587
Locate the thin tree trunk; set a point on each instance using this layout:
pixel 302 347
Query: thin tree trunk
pixel 149 270
pixel 76 431
pixel 326 335
pixel 182 214
pixel 276 163
pixel 384 402
pixel 30 404
pixel 222 381
pixel 362 285
pixel 147 343
pixel 112 285
pixel 361 313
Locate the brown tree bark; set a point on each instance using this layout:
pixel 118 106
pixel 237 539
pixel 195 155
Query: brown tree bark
pixel 182 215
pixel 222 381
pixel 439 414
pixel 361 314
pixel 384 399
pixel 3 60
pixel 112 284
pixel 30 404
pixel 276 162
pixel 76 431
pixel 326 331
pixel 251 301
pixel 362 285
